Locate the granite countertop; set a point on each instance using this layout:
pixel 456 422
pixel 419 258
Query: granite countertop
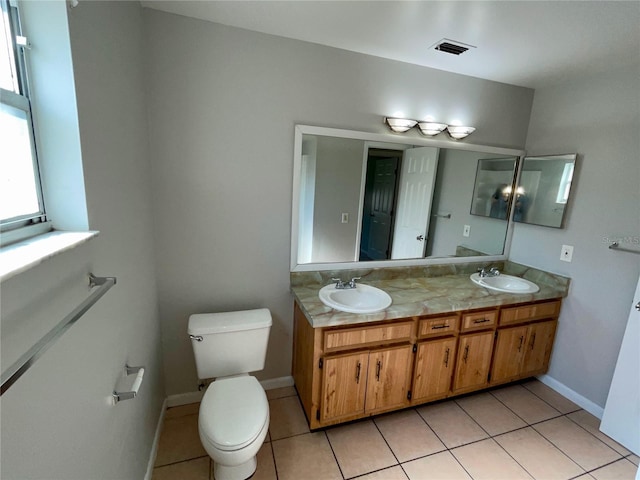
pixel 426 296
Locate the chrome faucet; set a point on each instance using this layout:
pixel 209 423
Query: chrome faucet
pixel 342 285
pixel 493 272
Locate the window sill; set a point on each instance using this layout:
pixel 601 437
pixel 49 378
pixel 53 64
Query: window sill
pixel 22 256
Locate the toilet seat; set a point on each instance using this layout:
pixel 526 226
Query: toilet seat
pixel 233 412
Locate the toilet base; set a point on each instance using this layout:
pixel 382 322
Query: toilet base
pixel 236 472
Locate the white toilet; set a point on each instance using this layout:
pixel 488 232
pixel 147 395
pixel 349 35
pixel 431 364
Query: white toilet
pixel 234 413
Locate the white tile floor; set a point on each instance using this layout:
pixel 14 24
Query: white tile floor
pixel 524 431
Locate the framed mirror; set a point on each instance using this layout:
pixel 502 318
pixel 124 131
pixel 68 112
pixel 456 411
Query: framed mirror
pixel 369 200
pixel 493 187
pixel 543 190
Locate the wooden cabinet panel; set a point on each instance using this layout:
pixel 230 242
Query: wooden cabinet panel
pixel 473 361
pixel 344 384
pixel 479 320
pixel 434 368
pixel 538 347
pixel 509 352
pixel 345 338
pixel 389 378
pixel 529 312
pixel 432 327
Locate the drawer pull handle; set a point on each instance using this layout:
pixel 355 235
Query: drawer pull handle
pixel 466 353
pixel 446 357
pixel 437 327
pixel 358 373
pixel 520 345
pixel 378 367
pixel 484 320
pixel 533 341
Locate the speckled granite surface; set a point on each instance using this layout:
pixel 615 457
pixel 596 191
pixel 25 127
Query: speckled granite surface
pixel 421 291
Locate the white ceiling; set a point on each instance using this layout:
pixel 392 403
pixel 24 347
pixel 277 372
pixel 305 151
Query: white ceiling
pixel 526 43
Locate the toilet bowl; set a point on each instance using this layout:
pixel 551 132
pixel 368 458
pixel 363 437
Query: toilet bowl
pixel 233 423
pixel 234 413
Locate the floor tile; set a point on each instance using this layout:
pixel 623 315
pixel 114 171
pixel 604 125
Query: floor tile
pixel 486 460
pixel 634 459
pixel 393 473
pixel 266 469
pixel 490 414
pixel 179 441
pixel 591 424
pixel 360 448
pixel 307 456
pixel 287 418
pixel 620 470
pixel 525 404
pixel 197 469
pixel 408 435
pixel 281 392
pixel 452 425
pixel 441 466
pixel 586 476
pixel 582 447
pixel 538 456
pixel 549 395
pixel 182 410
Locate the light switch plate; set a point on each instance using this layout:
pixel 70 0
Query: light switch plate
pixel 566 253
pixel 466 231
pixel 345 218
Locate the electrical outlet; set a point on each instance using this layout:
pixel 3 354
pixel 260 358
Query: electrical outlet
pixel 566 253
pixel 345 218
pixel 466 231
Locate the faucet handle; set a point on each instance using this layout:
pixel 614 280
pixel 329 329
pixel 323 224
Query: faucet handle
pixel 494 271
pixel 352 282
pixel 339 282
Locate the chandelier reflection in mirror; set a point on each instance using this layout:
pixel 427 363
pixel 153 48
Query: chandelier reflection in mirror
pixel 427 128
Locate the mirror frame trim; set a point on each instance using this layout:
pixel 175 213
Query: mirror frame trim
pixel 388 138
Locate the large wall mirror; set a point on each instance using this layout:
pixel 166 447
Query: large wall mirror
pixel 543 190
pixel 370 200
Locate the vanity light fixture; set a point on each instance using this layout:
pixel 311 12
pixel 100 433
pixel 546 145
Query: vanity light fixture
pixel 399 125
pixel 431 128
pixel 458 132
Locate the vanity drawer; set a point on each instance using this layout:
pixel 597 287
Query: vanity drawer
pixel 431 327
pixel 529 312
pixel 343 339
pixel 479 320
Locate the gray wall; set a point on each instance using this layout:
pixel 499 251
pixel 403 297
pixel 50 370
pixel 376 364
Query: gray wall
pixel 58 420
pixel 597 117
pixel 223 103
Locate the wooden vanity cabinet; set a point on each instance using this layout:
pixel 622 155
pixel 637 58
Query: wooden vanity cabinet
pixel 344 373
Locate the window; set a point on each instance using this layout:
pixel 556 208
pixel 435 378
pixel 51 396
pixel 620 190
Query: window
pixel 21 200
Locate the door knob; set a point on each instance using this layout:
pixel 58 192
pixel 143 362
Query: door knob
pixel 420 237
pixel 638 306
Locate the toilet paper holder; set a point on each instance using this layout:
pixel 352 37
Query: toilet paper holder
pixel 133 390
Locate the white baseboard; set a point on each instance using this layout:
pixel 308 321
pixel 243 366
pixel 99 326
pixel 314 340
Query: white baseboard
pixel 196 397
pixel 156 440
pixel 572 395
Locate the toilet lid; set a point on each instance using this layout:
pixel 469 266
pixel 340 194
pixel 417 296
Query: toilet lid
pixel 233 412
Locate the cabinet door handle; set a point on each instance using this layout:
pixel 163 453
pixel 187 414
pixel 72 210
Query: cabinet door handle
pixel 378 367
pixel 358 373
pixel 437 327
pixel 482 321
pixel 446 357
pixel 466 353
pixel 521 340
pixel 533 341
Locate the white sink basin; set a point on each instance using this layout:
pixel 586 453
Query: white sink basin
pixel 362 299
pixel 505 283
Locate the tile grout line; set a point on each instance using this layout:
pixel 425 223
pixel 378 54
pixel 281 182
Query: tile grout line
pixel 333 453
pixel 180 461
pixel 596 437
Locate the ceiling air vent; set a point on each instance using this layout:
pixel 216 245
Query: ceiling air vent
pixel 450 46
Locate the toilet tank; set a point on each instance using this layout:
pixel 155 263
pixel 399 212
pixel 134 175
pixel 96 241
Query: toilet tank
pixel 232 342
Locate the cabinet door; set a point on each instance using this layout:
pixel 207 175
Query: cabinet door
pixel 434 368
pixel 473 361
pixel 507 361
pixel 344 384
pixel 389 378
pixel 538 347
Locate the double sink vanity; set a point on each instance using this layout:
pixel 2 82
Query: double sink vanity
pixel 444 334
